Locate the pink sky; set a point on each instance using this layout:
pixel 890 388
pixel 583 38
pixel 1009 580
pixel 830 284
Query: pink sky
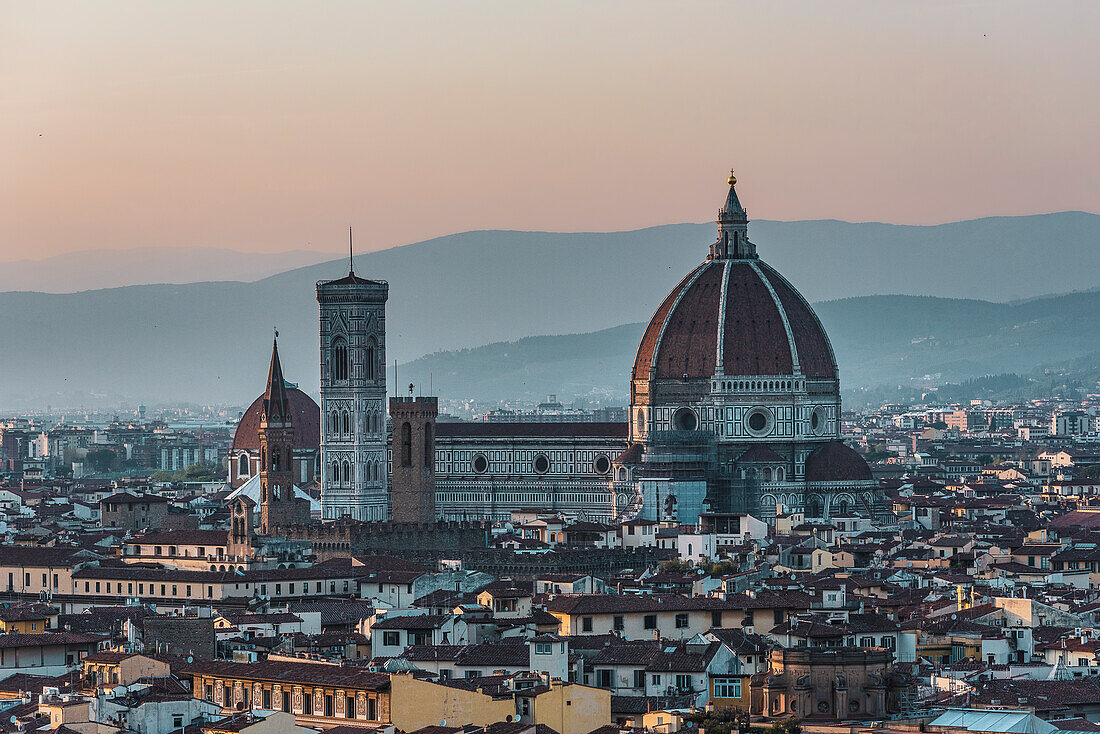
pixel 271 126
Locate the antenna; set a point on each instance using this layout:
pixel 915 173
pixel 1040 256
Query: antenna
pixel 351 253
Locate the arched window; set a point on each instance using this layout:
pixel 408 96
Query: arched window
pixel 242 465
pixel 335 423
pixel 339 359
pixel 767 474
pixel 347 472
pixel 406 444
pixel 335 476
pixel 371 359
pixel 347 422
pixel 429 446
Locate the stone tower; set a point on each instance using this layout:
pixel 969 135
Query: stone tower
pixel 278 505
pixel 240 529
pixel 412 477
pixel 353 394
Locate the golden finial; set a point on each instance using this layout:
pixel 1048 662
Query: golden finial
pixel 732 179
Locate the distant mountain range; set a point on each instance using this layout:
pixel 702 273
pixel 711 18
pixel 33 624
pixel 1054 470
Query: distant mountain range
pixel 879 340
pixel 209 342
pixel 93 269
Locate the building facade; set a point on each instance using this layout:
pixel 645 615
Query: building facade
pixel 490 470
pixel 353 395
pixel 735 396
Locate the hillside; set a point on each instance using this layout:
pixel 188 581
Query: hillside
pixel 880 341
pixel 208 342
pixel 95 269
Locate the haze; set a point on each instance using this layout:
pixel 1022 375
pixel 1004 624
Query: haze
pixel 268 126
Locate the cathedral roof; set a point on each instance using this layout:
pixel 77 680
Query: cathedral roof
pixel 835 461
pixel 250 492
pixel 733 315
pixel 759 454
pixel 305 418
pixel 762 326
pixel 352 279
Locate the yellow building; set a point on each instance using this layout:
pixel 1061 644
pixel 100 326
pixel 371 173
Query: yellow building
pixel 568 708
pixel 121 668
pixel 27 619
pixel 319 695
pixel 729 692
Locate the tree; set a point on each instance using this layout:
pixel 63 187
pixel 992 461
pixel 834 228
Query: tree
pixel 101 460
pixel 789 725
pixel 675 565
pixel 201 472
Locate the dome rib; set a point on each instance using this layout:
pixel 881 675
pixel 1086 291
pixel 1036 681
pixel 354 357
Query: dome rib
pixel 755 340
pixel 687 342
pixel 643 361
pixel 782 315
pixel 815 352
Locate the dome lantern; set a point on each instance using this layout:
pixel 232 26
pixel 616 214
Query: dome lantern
pixel 733 229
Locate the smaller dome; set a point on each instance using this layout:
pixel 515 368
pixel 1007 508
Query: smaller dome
pixel 305 419
pixel 836 462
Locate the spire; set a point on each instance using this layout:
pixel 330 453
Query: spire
pixel 276 402
pixel 351 254
pixel 733 228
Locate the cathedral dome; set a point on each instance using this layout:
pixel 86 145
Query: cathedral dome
pixel 734 315
pixel 836 462
pixel 305 418
pixel 734 318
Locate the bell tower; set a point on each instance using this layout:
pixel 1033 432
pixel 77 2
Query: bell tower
pixel 353 395
pixel 278 505
pixel 413 473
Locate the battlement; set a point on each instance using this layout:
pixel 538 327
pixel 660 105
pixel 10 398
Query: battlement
pixel 374 537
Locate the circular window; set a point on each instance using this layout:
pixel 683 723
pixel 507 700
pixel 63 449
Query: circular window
pixel 602 465
pixel 759 421
pixel 684 419
pixel 817 420
pixel 853 705
pixel 541 464
pixel 823 706
pixel 481 464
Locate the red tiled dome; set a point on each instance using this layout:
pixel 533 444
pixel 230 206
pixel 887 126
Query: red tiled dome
pixel 305 417
pixel 764 327
pixel 836 462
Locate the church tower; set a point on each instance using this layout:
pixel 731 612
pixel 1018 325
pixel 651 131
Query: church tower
pixel 278 505
pixel 413 472
pixel 353 394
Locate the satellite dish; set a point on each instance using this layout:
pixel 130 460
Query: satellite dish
pixel 954 616
pixel 442 722
pixel 190 658
pixel 13 718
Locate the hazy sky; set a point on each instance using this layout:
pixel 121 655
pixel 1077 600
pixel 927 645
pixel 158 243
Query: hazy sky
pixel 271 126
